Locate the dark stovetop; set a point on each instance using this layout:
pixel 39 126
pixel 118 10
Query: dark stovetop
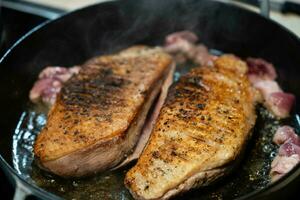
pixel 15 24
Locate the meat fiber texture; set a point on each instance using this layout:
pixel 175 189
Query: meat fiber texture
pixel 99 113
pixel 262 75
pixel 182 46
pixel 50 82
pixel 289 152
pixel 200 132
pixel 149 124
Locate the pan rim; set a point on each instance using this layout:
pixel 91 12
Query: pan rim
pixel 48 195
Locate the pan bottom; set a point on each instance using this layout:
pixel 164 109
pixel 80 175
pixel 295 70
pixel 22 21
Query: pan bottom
pixel 252 173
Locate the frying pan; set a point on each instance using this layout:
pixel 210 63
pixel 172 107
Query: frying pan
pixel 111 26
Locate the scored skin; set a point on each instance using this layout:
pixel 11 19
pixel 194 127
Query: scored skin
pixel 203 127
pixel 148 126
pixel 99 103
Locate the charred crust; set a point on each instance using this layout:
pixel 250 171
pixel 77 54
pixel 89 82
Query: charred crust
pixel 194 80
pixel 173 153
pixel 200 106
pixel 155 154
pixel 92 88
pixel 91 95
pixel 146 187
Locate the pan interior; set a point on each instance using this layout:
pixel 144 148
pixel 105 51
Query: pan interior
pixel 252 173
pixel 112 26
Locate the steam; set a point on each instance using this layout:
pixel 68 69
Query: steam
pixel 148 22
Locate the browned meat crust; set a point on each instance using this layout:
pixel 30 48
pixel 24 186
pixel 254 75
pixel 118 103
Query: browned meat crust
pixel 202 128
pixel 99 113
pixel 149 124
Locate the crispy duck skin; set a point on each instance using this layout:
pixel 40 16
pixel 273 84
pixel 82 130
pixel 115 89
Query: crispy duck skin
pixel 150 122
pixel 200 132
pixel 99 114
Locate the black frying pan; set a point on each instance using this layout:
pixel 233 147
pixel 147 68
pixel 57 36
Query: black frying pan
pixel 112 26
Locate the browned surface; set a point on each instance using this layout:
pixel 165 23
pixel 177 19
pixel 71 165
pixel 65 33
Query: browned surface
pixel 99 104
pixel 203 126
